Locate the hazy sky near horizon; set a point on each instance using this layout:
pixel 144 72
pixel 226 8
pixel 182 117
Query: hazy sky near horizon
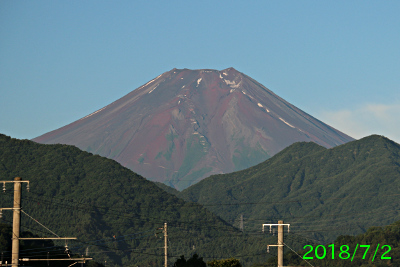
pixel 339 61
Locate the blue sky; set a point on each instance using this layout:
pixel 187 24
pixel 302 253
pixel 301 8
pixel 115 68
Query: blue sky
pixel 337 60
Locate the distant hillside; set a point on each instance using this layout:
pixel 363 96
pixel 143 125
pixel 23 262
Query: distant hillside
pixel 115 213
pixel 322 192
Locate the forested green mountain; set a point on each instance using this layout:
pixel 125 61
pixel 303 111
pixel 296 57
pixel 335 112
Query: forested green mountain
pixel 115 213
pixel 322 192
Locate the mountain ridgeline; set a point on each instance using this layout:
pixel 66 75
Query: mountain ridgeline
pixel 186 125
pixel 322 192
pixel 115 213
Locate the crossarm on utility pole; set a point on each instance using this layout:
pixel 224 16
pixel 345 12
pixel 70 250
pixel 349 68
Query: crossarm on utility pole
pixel 69 259
pixel 42 238
pixel 275 224
pixel 280 244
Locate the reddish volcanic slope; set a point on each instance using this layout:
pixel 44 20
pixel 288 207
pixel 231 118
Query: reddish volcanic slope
pixel 185 125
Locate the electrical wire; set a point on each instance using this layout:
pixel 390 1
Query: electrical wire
pixel 202 222
pixel 39 223
pixel 298 255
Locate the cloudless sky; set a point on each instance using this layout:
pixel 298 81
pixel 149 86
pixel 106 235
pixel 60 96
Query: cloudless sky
pixel 337 60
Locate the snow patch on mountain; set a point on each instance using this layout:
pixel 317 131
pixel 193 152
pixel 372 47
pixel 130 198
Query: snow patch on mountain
pixel 150 81
pixel 247 94
pixel 233 83
pixel 261 106
pixel 97 111
pixel 153 89
pixel 286 122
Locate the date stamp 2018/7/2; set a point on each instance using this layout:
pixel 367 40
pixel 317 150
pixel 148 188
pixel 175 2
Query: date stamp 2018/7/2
pixel 321 252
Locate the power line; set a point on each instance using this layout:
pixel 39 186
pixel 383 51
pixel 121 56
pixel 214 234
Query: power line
pixel 293 201
pixel 149 218
pixel 298 255
pixel 160 220
pixel 304 217
pixel 185 203
pixel 39 223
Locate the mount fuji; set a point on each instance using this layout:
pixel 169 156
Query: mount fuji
pixel 185 125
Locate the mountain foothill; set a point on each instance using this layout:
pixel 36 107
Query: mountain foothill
pixel 116 214
pixel 344 189
pixel 322 193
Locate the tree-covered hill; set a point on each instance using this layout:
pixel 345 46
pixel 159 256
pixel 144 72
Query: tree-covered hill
pixel 115 213
pixel 322 192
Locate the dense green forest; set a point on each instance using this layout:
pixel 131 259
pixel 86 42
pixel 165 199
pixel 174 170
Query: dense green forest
pixel 115 213
pixel 321 192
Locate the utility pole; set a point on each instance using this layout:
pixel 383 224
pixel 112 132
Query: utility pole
pixel 17 226
pixel 280 244
pixel 16 222
pixel 16 218
pixel 165 246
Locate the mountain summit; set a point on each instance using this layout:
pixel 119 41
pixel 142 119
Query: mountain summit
pixel 185 125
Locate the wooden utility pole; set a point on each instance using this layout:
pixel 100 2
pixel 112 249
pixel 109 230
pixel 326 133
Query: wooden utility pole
pixel 16 218
pixel 16 222
pixel 17 226
pixel 165 246
pixel 280 244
